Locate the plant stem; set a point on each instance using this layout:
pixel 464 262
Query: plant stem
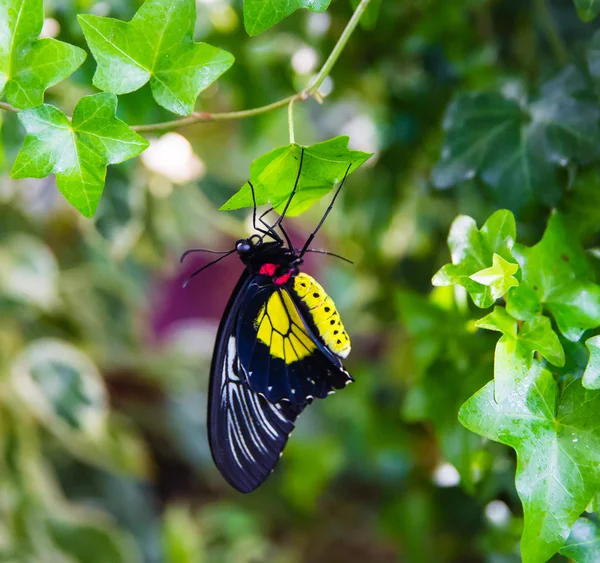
pixel 203 117
pixel 552 34
pixel 8 107
pixel 339 47
pixel 291 121
pixel 302 96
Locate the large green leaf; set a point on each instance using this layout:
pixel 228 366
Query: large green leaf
pixel 156 46
pixel 557 440
pixel 473 251
pixel 516 148
pixel 515 350
pixel 274 174
pixel 555 274
pixel 77 151
pixel 29 65
pixel 587 9
pixel 260 15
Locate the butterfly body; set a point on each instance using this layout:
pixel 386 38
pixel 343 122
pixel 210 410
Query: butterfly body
pixel 278 347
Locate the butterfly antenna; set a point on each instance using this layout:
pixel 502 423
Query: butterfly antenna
pixel 317 251
pixel 207 250
pixel 270 231
pixel 287 204
pixel 207 266
pixel 327 212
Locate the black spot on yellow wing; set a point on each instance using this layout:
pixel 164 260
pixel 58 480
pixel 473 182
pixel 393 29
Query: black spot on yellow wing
pixel 323 314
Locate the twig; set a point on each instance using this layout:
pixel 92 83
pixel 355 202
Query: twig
pixel 312 91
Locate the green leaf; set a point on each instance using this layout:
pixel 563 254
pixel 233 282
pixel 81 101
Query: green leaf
pixel 523 303
pixel 514 351
pixel 516 148
pixel 591 376
pixel 28 65
pixel 28 271
pixel 274 174
pixel 260 15
pixel 473 250
pixel 557 441
pixel 61 387
pixel 557 270
pixel 77 151
pixel 156 46
pixel 587 9
pixel 499 277
pixel 583 545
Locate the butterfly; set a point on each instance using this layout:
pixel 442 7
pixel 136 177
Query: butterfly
pixel 279 346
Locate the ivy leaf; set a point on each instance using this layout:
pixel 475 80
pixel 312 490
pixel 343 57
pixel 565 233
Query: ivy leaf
pixel 514 350
pixel 516 148
pixel 28 65
pixel 557 440
pixel 583 545
pixel 557 271
pixel 260 15
pixel 62 387
pixel 274 174
pixel 587 9
pixel 155 46
pixel 472 251
pixel 77 151
pixel 499 277
pixel 591 376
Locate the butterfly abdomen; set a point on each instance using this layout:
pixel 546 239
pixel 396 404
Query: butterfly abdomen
pixel 323 313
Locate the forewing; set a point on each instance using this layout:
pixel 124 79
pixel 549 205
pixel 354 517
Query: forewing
pixel 247 433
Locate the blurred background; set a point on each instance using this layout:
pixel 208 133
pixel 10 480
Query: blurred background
pixel 104 357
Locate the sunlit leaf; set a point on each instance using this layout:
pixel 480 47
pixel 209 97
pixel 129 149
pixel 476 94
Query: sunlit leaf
pixel 557 440
pixel 274 174
pixel 77 151
pixel 472 251
pixel 260 15
pixel 499 277
pixel 156 46
pixel 29 65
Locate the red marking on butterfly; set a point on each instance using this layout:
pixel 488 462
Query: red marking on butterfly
pixel 282 279
pixel 268 269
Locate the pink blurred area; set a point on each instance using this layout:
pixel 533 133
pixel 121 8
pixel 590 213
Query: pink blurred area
pixel 204 298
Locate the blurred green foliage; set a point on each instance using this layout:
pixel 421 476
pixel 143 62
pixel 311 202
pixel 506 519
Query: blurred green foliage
pixel 469 108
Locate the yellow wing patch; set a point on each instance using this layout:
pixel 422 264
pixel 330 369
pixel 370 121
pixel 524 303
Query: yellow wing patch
pixel 324 314
pixel 280 327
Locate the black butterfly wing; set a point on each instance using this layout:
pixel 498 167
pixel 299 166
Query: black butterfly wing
pixel 313 372
pixel 247 433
